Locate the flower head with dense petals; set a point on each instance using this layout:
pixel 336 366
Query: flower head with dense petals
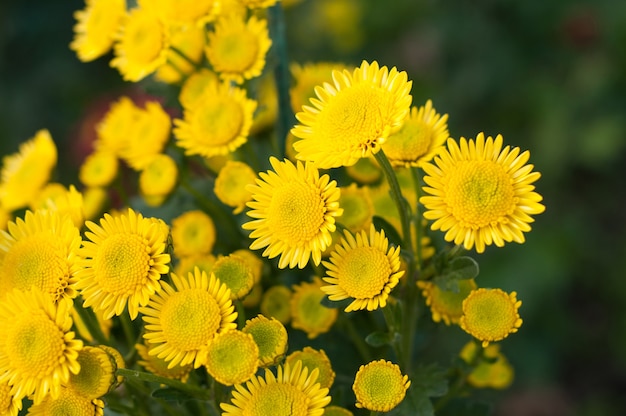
pixel 312 359
pixel 193 233
pixel 352 117
pixel 116 125
pixel 271 337
pixel 159 366
pixel 195 86
pixel 97 373
pixel 187 264
pixel 9 405
pixel 183 319
pixel 37 349
pixel 364 268
pixel 185 12
pixel 275 303
pixel 190 41
pixel 419 139
pixel 307 311
pixel 234 272
pixel 446 305
pixel 306 78
pixel 158 178
pixel 358 208
pixel 69 402
pixel 492 369
pixel 232 357
pixel 490 314
pixel 231 184
pixel 99 169
pixel 480 193
pixel 292 392
pixel 123 263
pixel 294 210
pixel 380 386
pixel 96 27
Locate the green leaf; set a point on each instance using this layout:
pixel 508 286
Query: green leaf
pixel 390 232
pixel 459 268
pixel 415 403
pixel 379 339
pixel 431 379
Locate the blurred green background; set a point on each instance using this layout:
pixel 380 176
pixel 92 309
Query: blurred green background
pixel 550 76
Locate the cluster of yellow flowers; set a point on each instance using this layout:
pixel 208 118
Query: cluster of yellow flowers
pixel 94 293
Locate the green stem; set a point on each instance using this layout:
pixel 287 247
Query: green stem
pixel 241 314
pixel 418 220
pixel 91 322
pixel 197 392
pixel 129 333
pixel 394 328
pixel 137 385
pixel 184 56
pixel 356 338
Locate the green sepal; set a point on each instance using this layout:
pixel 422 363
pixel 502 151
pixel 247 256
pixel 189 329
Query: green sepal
pixel 390 231
pixel 458 268
pixel 378 338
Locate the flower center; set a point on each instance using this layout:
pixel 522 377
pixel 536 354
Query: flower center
pixel 235 52
pixel 219 121
pixel 379 387
pixel 144 40
pixel 356 212
pixel 122 264
pixel 234 273
pixel 490 314
pixel 190 319
pixel 410 143
pixel 363 272
pixel 5 397
pixel 480 193
pixel 70 404
pixel 278 399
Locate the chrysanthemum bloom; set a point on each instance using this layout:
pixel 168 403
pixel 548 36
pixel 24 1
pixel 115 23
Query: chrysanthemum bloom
pixel 364 268
pixel 142 44
pixel 271 337
pixel 218 123
pixel 9 405
pixel 234 272
pixel 294 210
pixel 116 357
pixel 69 402
pixel 40 250
pixel 24 173
pixel 306 77
pixel 195 86
pixel 481 193
pixel 492 370
pixel 97 373
pixel 116 125
pixel 236 48
pixel 365 171
pixel 232 357
pixel 446 305
pixel 358 208
pixel 421 136
pixel 183 319
pixel 159 366
pixel 186 12
pixel 157 179
pixel 96 27
pixel 37 349
pixel 123 263
pixel 231 182
pixel 337 411
pixel 204 262
pixel 68 202
pixel 99 169
pixel 490 314
pixel 189 40
pixel 94 202
pixel 312 359
pixel 259 4
pixel 276 302
pixel 253 261
pixel 293 391
pixel 307 311
pixel 379 386
pixel 352 117
pixel 266 94
pixel 193 232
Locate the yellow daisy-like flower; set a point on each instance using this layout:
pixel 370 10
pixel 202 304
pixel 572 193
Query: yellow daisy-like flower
pixel 307 311
pixel 253 261
pixel 37 349
pixel 490 314
pixel 232 357
pixel 183 319
pixel 159 366
pixel 142 44
pixel 94 202
pixel 352 117
pixel 117 359
pixel 69 402
pixel 40 250
pixel 365 171
pixel 185 12
pixel 271 337
pixel 97 373
pixel 379 386
pixel 231 182
pixel 147 137
pixel 421 136
pixel 236 48
pixel 9 405
pixel 218 123
pixel 99 169
pixel 481 193
pixel 312 359
pixel 337 411
pixel 24 173
pixel 188 39
pixel 195 86
pixel 294 210
pixel 67 202
pixel 234 272
pixel 358 208
pixel 492 370
pixel 445 305
pixel 96 27
pixel 306 77
pixel 292 392
pixel 364 268
pixel 123 263
pixel 116 126
pixel 187 264
pixel 193 233
pixel 157 179
pixel 258 4
pixel 276 302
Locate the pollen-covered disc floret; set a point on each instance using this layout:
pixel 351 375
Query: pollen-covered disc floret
pixel 69 402
pixel 363 268
pixel 490 314
pixel 307 311
pixel 271 337
pixel 97 373
pixel 314 359
pixel 352 116
pixel 446 305
pixel 294 210
pixel 480 193
pixel 380 386
pixel 123 263
pixel 231 357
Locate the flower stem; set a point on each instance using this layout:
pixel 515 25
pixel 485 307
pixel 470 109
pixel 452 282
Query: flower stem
pixel 418 220
pixel 356 338
pixel 196 392
pixel 184 56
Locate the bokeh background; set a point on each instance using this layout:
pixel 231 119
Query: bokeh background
pixel 550 76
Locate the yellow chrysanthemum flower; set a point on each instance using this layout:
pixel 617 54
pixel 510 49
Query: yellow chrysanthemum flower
pixel 123 263
pixel 492 370
pixel 96 27
pixel 253 261
pixel 365 171
pixel 379 386
pixel 337 411
pixel 294 212
pixel 69 402
pixel 159 366
pixel 266 94
pixel 97 373
pixel 183 319
pixel 185 12
pixel 157 179
pixel 147 137
pixel 189 40
pixel 65 202
pixel 232 357
pixel 231 182
pixel 271 337
pixel 293 391
pixel 99 169
pixel 187 264
pixel 490 314
pixel 193 233
pixel 358 208
pixel 312 359
pixel 218 123
pixel 481 193
pixel 234 272
pixel 421 136
pixel 236 48
pixel 116 357
pixel 258 4
pixel 142 44
pixel 94 202
pixel 276 302
pixel 307 311
pixel 116 126
pixel 306 77
pixel 446 305
pixel 364 268
pixel 351 118
pixel 9 405
pixel 24 173
pixel 40 250
pixel 37 349
pixel 195 86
